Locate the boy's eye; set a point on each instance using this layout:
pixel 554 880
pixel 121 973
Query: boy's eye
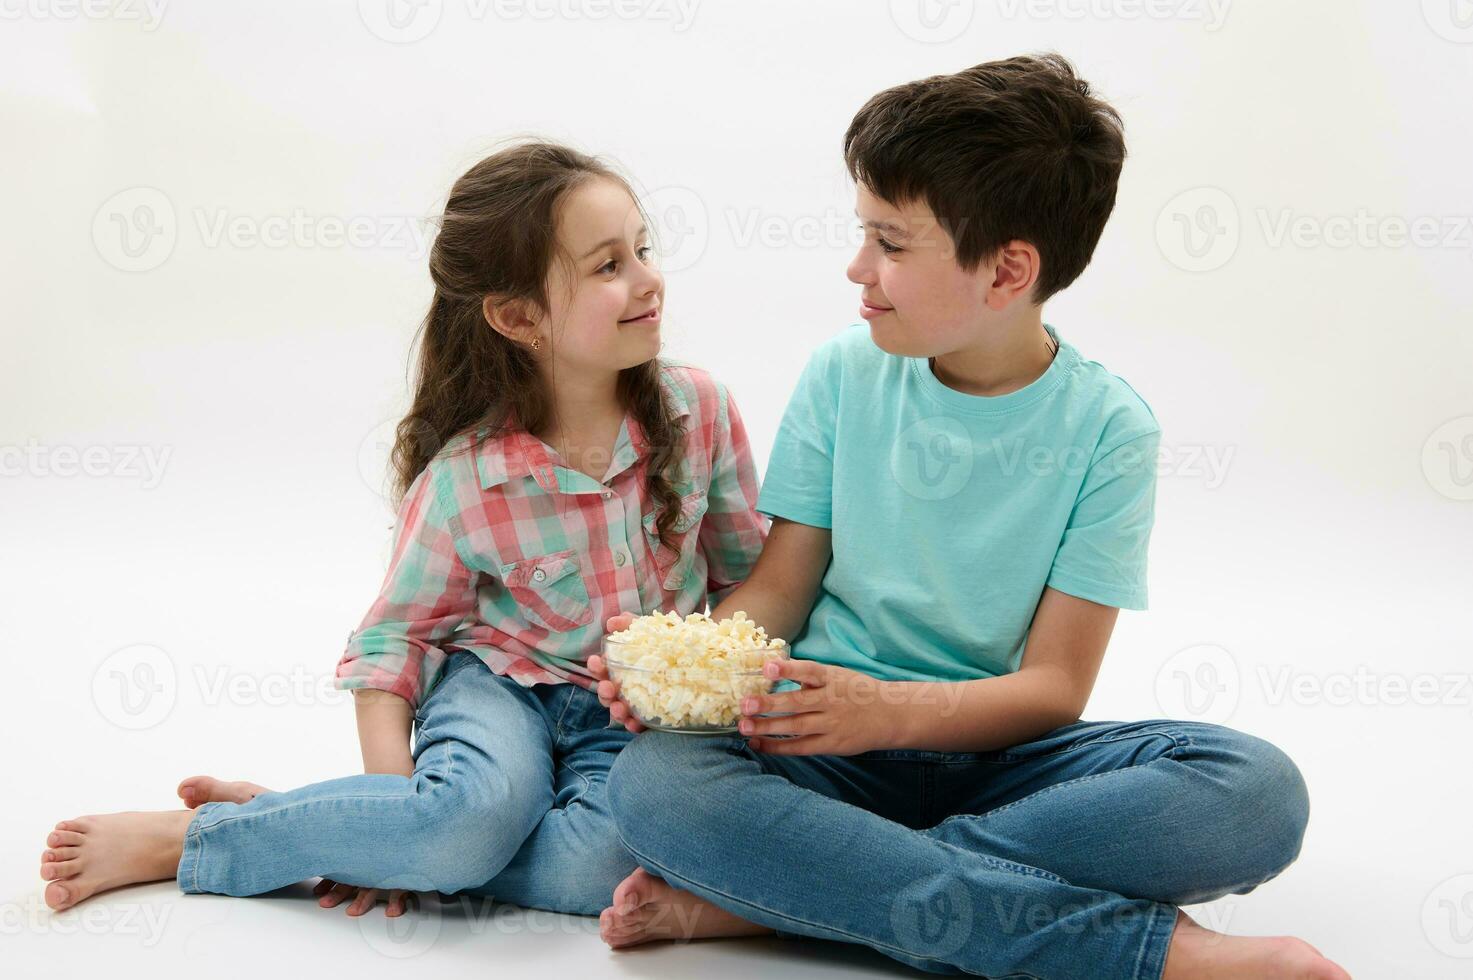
pixel 886 247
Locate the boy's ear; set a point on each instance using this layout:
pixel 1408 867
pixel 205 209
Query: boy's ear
pixel 514 319
pixel 1016 268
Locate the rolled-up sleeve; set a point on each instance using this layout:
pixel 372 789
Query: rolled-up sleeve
pixel 428 593
pixel 733 531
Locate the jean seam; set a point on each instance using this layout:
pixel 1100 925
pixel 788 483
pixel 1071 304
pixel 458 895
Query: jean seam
pixel 667 874
pixel 1042 792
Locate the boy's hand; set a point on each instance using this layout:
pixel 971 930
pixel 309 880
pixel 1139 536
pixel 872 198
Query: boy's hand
pixel 837 712
pixel 608 691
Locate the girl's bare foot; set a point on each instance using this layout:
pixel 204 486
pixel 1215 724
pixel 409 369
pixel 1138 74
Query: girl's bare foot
pixel 93 854
pixel 646 908
pixel 207 789
pixel 1201 954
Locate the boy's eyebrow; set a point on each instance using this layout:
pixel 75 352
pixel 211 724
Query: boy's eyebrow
pixel 611 241
pixel 894 229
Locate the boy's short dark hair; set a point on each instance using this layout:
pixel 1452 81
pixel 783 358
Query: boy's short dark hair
pixel 1013 149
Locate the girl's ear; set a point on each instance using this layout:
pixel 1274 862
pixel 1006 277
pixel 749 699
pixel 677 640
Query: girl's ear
pixel 513 319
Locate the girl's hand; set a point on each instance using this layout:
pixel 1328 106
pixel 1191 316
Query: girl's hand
pixel 836 712
pixel 608 691
pixel 331 894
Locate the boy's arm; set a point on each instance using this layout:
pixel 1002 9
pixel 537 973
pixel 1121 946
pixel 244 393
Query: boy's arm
pixel 1066 645
pixel 779 593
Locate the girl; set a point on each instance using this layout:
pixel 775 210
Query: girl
pixel 552 473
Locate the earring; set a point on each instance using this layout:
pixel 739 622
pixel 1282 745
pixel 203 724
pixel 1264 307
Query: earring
pixel 537 343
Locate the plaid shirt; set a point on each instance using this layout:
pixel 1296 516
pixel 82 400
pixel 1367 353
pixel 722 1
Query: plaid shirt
pixel 503 551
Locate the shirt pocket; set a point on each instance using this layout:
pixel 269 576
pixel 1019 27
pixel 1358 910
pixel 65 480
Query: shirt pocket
pixel 550 590
pixel 675 563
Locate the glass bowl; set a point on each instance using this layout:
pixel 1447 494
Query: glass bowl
pixel 666 699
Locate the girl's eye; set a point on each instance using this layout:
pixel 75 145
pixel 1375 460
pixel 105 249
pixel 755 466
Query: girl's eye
pixel 608 266
pixel 644 252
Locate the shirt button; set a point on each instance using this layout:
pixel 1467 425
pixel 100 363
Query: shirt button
pixel 619 559
pixel 539 575
pixel 608 494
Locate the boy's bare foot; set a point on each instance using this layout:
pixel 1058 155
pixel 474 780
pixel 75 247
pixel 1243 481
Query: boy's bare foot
pixel 93 854
pixel 1199 953
pixel 646 908
pixel 207 789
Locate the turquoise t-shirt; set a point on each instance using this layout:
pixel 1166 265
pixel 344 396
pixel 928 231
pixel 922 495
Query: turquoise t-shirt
pixel 950 512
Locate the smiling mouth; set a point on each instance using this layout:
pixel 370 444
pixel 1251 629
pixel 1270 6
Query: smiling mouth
pixel 646 317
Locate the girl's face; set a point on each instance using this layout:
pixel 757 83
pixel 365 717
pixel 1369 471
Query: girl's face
pixel 606 297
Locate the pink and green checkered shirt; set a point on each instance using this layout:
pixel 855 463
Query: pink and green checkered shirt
pixel 504 551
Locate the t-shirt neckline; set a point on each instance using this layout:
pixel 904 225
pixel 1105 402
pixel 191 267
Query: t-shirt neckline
pixel 1063 363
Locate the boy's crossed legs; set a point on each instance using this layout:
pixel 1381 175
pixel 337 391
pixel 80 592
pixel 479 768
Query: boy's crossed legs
pixel 1028 872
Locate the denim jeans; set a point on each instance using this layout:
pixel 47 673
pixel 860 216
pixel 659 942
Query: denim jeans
pixel 508 800
pixel 1058 858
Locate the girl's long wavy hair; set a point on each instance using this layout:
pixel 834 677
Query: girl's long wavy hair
pixel 498 237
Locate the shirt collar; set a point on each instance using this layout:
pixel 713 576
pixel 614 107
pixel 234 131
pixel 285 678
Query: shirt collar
pixel 517 454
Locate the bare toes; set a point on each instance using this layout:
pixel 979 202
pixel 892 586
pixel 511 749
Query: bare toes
pixel 59 896
pixel 61 869
pixel 64 838
pixel 53 855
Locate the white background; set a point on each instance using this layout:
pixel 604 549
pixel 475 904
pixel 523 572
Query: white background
pixel 1309 365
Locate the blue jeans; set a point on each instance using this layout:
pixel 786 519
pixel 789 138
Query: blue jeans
pixel 1058 858
pixel 508 800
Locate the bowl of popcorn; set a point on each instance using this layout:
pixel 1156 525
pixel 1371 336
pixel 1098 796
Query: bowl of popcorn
pixel 690 674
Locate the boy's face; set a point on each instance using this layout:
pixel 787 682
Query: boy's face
pixel 918 301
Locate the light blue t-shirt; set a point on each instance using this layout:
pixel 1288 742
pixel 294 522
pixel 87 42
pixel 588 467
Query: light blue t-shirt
pixel 950 512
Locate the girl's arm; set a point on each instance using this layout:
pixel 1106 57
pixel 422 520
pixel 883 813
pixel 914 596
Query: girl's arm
pixel 384 723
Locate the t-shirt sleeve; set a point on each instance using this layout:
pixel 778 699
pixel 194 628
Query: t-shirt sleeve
pixel 800 471
pixel 1102 556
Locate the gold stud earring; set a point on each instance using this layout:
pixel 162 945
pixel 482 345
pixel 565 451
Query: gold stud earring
pixel 537 343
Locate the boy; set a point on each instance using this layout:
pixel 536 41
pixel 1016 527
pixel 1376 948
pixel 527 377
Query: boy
pixel 962 504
